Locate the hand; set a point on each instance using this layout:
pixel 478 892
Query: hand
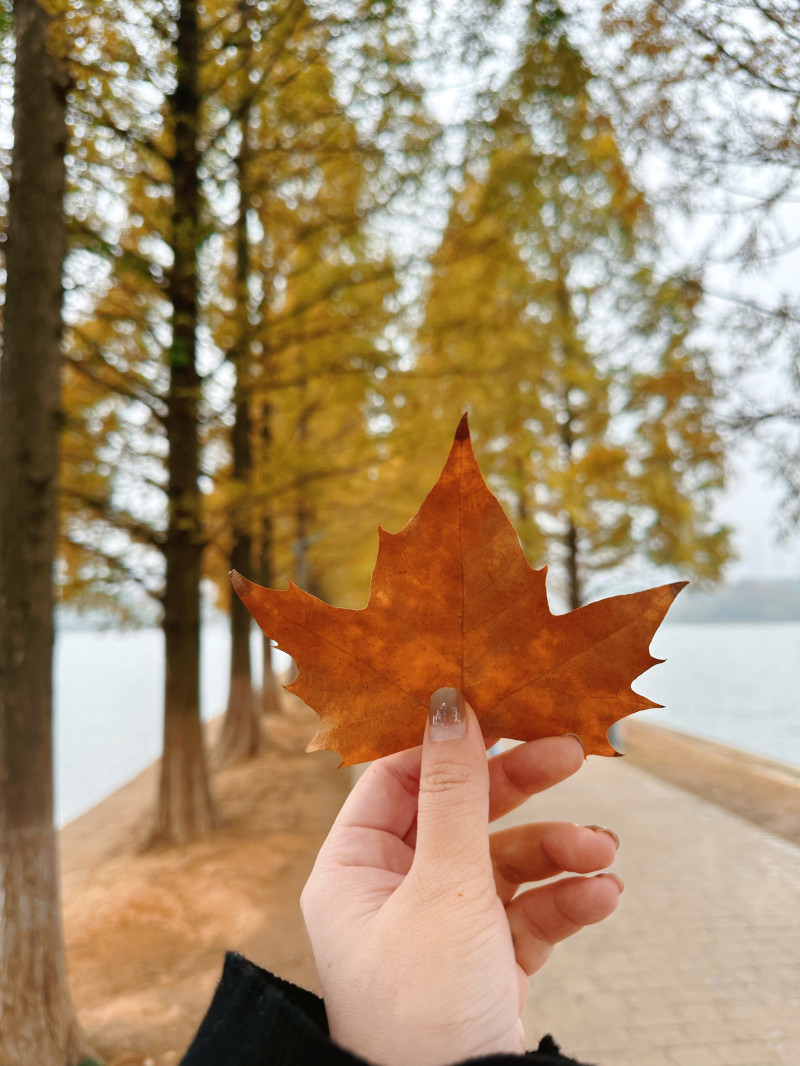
pixel 422 947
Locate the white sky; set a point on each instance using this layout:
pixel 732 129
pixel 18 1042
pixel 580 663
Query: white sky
pixel 749 505
pixel 751 501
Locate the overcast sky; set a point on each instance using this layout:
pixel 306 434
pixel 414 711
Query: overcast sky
pixel 749 506
pixel 751 502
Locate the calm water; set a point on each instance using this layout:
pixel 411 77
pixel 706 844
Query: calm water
pixel 737 684
pixel 108 701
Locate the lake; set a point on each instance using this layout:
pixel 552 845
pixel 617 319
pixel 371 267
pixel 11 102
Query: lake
pixel 736 684
pixel 108 706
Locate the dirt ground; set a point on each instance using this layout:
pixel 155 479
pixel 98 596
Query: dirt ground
pixel 146 930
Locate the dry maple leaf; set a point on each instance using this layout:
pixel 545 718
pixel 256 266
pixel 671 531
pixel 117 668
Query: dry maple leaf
pixel 454 602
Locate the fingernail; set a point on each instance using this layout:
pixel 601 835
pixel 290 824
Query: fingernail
pixel 447 719
pixel 604 829
pixel 583 746
pixel 620 882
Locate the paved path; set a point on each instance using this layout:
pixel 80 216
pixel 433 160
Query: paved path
pixel 701 964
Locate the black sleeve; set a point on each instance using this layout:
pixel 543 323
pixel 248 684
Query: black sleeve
pixel 257 1019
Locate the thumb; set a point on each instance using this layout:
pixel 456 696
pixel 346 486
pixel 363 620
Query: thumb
pixel 453 811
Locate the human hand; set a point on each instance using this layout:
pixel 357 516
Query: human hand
pixel 422 947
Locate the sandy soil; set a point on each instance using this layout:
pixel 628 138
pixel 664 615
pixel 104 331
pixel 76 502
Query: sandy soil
pixel 146 930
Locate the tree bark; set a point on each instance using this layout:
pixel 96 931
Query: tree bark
pixel 185 805
pixel 270 694
pixel 270 691
pixel 574 587
pixel 571 536
pixel 37 1020
pixel 304 575
pixel 241 736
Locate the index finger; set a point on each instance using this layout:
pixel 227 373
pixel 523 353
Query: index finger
pixel 519 773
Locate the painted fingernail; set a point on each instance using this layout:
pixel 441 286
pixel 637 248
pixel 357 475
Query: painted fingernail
pixel 614 877
pixel 583 746
pixel 604 829
pixel 447 719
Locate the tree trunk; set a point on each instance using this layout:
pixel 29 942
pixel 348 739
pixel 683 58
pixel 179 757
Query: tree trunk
pixel 37 1020
pixel 573 570
pixel 523 514
pixel 270 693
pixel 185 805
pixel 241 736
pixel 571 537
pixel 270 690
pixel 301 544
pixel 304 523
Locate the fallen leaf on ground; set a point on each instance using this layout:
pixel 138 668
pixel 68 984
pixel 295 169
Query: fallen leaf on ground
pixel 454 602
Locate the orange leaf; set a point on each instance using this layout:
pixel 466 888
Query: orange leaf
pixel 454 602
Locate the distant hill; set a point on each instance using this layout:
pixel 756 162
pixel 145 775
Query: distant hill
pixel 741 601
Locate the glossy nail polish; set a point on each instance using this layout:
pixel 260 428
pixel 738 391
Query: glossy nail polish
pixel 447 718
pixel 604 829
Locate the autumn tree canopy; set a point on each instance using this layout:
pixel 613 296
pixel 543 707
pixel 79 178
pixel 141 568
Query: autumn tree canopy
pixel 591 399
pixel 291 266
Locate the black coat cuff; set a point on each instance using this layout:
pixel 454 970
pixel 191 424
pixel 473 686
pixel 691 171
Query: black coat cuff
pixel 257 1019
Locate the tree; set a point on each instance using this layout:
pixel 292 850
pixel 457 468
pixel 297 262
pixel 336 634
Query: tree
pixel 709 95
pixel 37 1020
pixel 302 300
pixel 132 500
pixel 590 403
pixel 266 70
pixel 241 734
pixel 185 806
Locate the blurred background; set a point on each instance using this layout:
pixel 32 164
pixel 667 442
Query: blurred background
pixel 580 224
pixel 304 236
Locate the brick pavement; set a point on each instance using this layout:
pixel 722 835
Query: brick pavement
pixel 701 964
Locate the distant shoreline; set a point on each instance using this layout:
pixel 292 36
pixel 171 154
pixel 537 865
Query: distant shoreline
pixel 754 602
pixel 751 601
pixel 668 621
